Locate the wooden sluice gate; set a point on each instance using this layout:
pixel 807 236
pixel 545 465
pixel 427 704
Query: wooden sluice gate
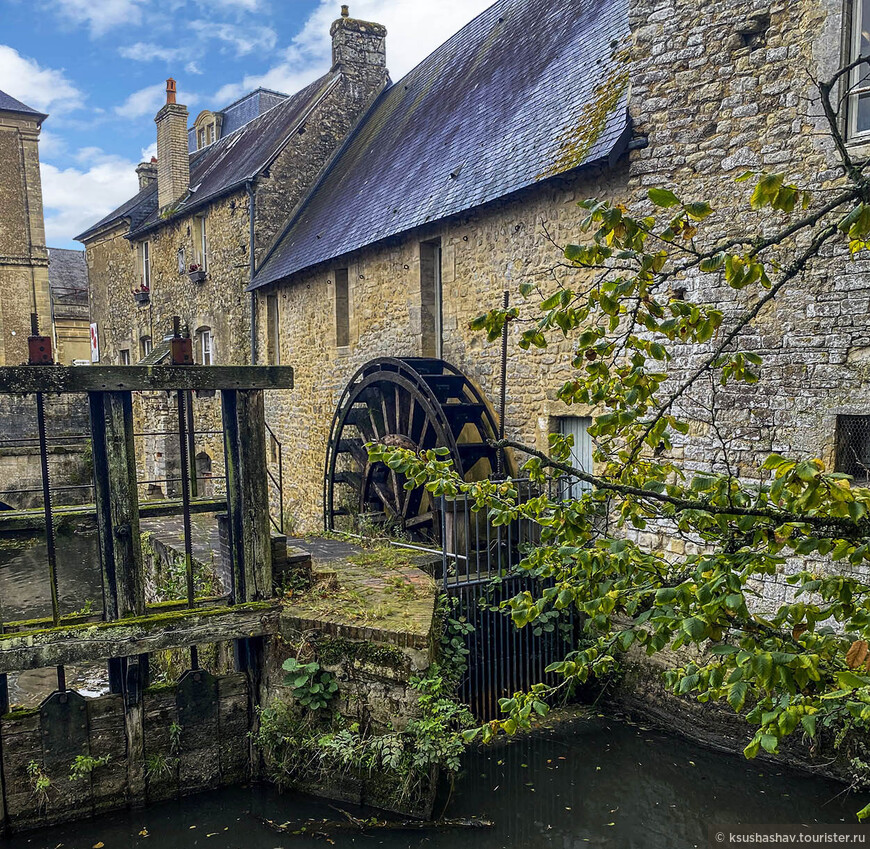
pixel 124 730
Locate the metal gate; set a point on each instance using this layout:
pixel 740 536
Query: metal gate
pixel 479 571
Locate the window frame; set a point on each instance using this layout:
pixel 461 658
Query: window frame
pixel 575 488
pixel 855 91
pixel 273 329
pixel 146 346
pixel 200 241
pixel 145 266
pixel 124 356
pixel 342 307
pixel 206 346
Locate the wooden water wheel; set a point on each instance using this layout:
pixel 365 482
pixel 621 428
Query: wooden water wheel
pixel 415 403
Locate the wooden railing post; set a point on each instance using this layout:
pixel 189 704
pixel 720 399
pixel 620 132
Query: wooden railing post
pixel 117 504
pixel 247 493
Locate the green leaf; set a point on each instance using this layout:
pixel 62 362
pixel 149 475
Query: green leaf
pixel 737 695
pixel 663 197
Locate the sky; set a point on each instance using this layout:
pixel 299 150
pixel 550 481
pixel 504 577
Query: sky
pixel 98 68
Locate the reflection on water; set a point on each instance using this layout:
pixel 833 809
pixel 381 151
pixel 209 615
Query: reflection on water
pixel 25 594
pixel 591 783
pixel 24 588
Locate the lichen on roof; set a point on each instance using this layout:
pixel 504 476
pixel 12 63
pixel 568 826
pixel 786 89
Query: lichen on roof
pixel 575 142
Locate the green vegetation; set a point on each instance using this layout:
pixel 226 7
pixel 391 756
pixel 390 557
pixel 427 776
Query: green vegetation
pixel 313 687
pixel 309 744
pixel 84 765
pixel 40 783
pixel 160 768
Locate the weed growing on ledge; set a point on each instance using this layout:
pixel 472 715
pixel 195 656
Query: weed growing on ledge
pixel 40 783
pixel 84 765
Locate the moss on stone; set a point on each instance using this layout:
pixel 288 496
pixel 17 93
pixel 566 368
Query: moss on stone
pixel 576 141
pixel 333 650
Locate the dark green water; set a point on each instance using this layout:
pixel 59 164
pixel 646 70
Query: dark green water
pixel 591 783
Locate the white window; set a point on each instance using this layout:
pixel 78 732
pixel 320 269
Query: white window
pixel 125 356
pixel 200 243
pixel 859 84
pixel 144 346
pixel 182 268
pixel 145 266
pixel 209 134
pixel 581 452
pixel 205 346
pixel 200 139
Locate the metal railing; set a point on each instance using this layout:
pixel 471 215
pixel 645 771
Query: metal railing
pixel 278 460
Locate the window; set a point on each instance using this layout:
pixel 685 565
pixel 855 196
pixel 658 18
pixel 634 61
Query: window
pixel 181 266
pixel 125 356
pixel 144 347
pixel 145 266
pixel 430 299
pixel 200 141
pixel 581 452
pixel 200 242
pixel 209 134
pixel 342 308
pixel 853 447
pixel 859 82
pixel 205 345
pixel 273 330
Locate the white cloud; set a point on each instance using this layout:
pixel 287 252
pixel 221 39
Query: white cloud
pixel 243 40
pixel 413 32
pixel 76 198
pixel 232 5
pixel 192 68
pixel 145 101
pixel 40 88
pixel 148 100
pixel 143 51
pixel 148 152
pixel 101 16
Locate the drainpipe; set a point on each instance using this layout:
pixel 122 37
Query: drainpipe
pixel 250 187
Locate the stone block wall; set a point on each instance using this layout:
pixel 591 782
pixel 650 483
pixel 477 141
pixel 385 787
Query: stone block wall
pixel 194 738
pixel 483 253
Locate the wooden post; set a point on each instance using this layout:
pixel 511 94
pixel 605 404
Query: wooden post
pixel 247 493
pixel 117 504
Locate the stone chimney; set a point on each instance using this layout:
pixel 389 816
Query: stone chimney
pixel 358 48
pixel 173 164
pixel 147 173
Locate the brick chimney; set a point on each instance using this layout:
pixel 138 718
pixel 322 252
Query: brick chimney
pixel 358 49
pixel 173 164
pixel 147 173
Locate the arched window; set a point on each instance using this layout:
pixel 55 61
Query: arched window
pixel 204 346
pixel 206 128
pixel 203 474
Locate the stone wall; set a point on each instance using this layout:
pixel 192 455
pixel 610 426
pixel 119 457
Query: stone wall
pixel 483 253
pixel 192 737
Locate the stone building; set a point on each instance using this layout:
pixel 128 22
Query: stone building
pixel 474 164
pixel 188 242
pixel 460 180
pixel 23 255
pixel 70 314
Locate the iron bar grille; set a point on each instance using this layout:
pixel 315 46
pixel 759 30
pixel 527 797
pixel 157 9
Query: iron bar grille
pixel 853 447
pixel 480 570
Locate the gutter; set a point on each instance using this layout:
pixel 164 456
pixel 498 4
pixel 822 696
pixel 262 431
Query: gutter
pixel 249 185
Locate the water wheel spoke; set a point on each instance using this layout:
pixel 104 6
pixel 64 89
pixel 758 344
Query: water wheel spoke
pixel 419 404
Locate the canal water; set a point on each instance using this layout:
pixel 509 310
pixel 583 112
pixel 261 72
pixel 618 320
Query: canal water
pixel 25 593
pixel 591 782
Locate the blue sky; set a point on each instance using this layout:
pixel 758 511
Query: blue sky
pixel 98 67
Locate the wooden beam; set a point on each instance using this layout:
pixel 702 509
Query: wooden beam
pixel 24 380
pixel 34 520
pixel 94 643
pixel 247 494
pixel 117 504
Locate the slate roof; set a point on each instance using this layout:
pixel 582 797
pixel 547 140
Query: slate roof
pixel 9 104
pixel 224 165
pixel 527 90
pixel 68 276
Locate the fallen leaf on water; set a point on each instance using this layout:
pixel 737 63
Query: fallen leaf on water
pixel 611 823
pixel 213 834
pixel 99 845
pixel 143 833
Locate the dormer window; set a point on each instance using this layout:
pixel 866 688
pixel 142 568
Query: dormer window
pixel 206 129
